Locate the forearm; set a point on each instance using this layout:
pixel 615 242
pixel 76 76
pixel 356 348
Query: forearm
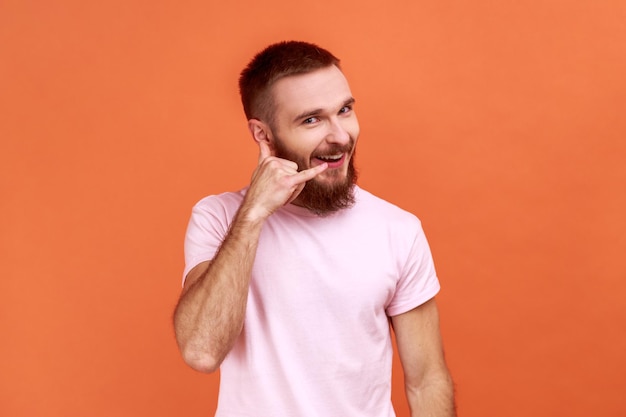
pixel 210 314
pixel 434 397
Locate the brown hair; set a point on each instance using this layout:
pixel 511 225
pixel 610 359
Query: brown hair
pixel 273 63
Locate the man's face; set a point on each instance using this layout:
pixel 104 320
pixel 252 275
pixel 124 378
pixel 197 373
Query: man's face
pixel 314 122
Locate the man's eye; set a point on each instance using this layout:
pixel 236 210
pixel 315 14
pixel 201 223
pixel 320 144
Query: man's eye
pixel 310 120
pixel 345 109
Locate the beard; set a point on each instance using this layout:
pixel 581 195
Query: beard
pixel 317 196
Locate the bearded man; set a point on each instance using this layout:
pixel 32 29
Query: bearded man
pixel 291 284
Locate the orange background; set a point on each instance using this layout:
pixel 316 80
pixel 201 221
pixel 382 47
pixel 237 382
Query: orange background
pixel 500 124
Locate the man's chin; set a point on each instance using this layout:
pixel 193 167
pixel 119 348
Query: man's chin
pixel 329 182
pixel 326 195
pixel 332 176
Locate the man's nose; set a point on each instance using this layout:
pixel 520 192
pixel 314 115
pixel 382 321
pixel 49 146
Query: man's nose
pixel 337 133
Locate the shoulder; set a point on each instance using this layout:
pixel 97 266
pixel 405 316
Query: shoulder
pixel 227 202
pixel 217 210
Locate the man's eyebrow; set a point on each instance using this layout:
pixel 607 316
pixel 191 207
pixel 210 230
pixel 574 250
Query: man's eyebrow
pixel 349 102
pixel 309 113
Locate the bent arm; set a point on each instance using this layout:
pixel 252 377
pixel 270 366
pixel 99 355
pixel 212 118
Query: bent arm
pixel 210 312
pixel 211 309
pixel 428 384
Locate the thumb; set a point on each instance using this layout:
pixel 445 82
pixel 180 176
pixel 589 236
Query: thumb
pixel 264 150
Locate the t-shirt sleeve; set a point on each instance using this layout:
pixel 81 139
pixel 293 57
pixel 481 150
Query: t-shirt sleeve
pixel 206 230
pixel 418 280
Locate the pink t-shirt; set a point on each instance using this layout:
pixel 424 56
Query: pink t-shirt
pixel 316 339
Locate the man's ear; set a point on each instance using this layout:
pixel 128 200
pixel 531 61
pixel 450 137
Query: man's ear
pixel 260 131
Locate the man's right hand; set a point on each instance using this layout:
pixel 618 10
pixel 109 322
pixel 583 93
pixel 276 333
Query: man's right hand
pixel 275 182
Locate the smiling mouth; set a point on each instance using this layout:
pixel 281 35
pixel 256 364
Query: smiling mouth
pixel 333 161
pixel 330 158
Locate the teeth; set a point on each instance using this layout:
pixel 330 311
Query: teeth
pixel 330 157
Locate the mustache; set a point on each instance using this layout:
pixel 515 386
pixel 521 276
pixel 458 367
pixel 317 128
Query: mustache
pixel 336 149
